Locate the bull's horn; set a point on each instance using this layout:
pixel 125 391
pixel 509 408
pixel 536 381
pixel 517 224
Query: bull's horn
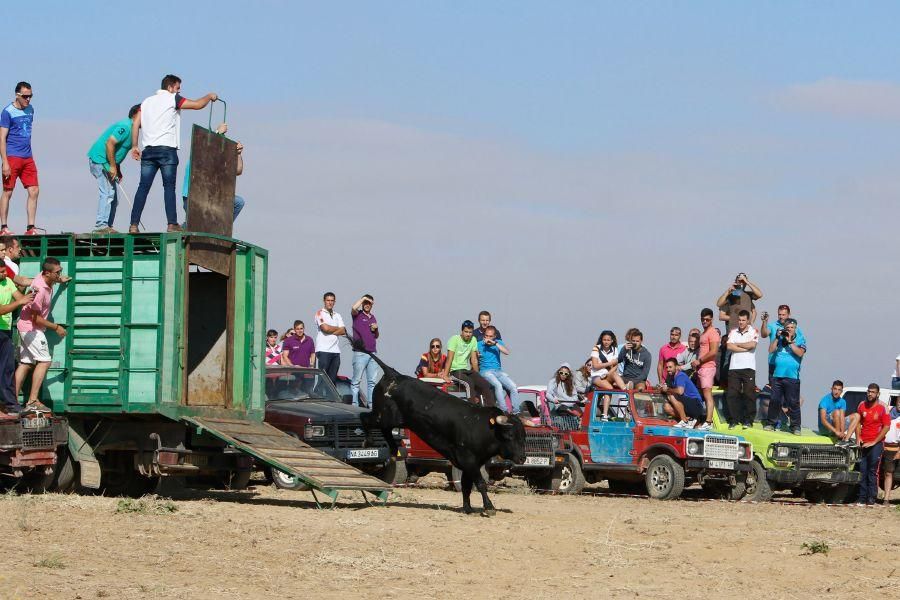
pixel 502 420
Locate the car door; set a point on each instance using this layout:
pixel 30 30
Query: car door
pixel 611 441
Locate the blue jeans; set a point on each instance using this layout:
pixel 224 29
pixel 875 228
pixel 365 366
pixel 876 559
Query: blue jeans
pixel 165 160
pixel 238 206
pixel 330 362
pixel 895 383
pixel 869 460
pixel 108 199
pixel 364 362
pixel 500 381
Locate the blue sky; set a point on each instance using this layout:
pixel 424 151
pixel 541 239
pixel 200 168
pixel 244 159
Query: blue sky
pixel 570 166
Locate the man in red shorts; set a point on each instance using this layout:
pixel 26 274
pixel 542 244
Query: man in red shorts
pixel 16 121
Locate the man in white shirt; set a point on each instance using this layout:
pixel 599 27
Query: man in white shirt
pixel 159 125
pixel 741 396
pixel 331 325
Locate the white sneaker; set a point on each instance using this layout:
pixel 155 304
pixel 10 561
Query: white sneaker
pixel 604 418
pixel 681 424
pixel 705 427
pixel 691 423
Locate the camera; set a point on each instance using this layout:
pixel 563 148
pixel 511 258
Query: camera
pixel 783 335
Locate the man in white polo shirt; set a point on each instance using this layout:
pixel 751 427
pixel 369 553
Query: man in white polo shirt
pixel 159 126
pixel 331 325
pixel 742 372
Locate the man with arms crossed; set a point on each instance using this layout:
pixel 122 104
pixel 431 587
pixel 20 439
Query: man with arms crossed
pixel 331 325
pixel 742 372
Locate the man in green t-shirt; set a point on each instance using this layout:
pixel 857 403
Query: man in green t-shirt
pixel 105 159
pixel 462 364
pixel 10 300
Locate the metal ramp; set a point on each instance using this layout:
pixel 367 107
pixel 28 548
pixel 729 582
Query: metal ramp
pixel 277 449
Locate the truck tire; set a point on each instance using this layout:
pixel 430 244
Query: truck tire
pixel 283 481
pixel 571 479
pixel 393 472
pixel 65 476
pixel 456 477
pixel 664 478
pixel 758 489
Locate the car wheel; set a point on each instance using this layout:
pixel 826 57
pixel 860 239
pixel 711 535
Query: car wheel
pixel 571 479
pixel 393 472
pixel 456 477
pixel 758 489
pixel 284 481
pixel 664 478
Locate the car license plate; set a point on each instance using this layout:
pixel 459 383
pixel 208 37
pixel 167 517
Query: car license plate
pixel 822 475
pixel 541 461
pixel 365 453
pixel 36 423
pixel 721 464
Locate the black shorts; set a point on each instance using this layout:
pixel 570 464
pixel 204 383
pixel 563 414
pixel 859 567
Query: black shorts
pixel 692 407
pixel 889 460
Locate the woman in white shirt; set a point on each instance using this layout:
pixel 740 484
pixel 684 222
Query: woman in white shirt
pixel 604 374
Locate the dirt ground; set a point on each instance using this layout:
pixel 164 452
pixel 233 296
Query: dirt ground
pixel 265 542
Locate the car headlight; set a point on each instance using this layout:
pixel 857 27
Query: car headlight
pixel 311 431
pixel 695 448
pixel 398 433
pixel 782 452
pixel 746 451
pixel 554 442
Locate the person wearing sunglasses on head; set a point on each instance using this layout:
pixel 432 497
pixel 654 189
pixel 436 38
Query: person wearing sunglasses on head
pixel 432 363
pixel 561 390
pixel 16 123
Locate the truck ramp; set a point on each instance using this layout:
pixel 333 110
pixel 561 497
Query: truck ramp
pixel 281 451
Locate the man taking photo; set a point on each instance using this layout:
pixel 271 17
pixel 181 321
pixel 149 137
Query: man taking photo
pixel 787 350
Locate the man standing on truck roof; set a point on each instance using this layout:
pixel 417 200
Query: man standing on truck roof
pixel 788 348
pixel 34 353
pixel 331 325
pixel 365 328
pixel 16 124
pixel 105 158
pixel 10 300
pixel 159 123
pixel 741 395
pixel 298 350
pixel 705 363
pixel 771 331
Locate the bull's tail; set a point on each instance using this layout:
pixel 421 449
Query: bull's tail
pixel 359 346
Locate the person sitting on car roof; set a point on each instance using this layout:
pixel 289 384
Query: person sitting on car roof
pixel 432 363
pixel 581 378
pixel 561 389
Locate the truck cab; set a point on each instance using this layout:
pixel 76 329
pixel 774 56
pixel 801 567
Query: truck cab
pixel 639 444
pixel 810 464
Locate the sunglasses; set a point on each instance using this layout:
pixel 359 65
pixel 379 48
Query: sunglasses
pixel 565 372
pixel 436 346
pixel 26 96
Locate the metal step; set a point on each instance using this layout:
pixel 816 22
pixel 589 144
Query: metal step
pixel 280 451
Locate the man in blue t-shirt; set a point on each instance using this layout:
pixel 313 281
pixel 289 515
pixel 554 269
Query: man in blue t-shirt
pixel 832 412
pixel 683 400
pixel 489 349
pixel 788 349
pixel 16 124
pixel 105 161
pixel 771 330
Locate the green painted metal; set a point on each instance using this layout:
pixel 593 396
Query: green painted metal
pixel 126 311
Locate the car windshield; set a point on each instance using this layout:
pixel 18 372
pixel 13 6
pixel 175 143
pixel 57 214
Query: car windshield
pixel 650 406
pixel 300 385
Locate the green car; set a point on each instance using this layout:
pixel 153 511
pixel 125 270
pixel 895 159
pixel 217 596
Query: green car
pixel 810 464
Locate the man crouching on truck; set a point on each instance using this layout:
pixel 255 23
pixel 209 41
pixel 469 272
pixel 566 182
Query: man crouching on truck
pixel 34 353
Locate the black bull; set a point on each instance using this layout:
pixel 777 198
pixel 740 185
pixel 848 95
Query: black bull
pixel 466 434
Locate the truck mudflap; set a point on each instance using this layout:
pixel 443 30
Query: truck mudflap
pixel 796 476
pixel 277 449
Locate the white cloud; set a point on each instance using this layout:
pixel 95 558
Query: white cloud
pixel 877 100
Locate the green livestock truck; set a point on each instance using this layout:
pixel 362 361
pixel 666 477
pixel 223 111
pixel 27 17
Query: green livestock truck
pixel 161 374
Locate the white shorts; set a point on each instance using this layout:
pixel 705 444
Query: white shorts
pixel 33 348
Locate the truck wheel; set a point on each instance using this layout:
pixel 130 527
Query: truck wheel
pixel 664 478
pixel 456 477
pixel 571 479
pixel 758 489
pixel 393 472
pixel 65 477
pixel 284 481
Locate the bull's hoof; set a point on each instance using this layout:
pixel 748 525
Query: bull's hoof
pixel 489 512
